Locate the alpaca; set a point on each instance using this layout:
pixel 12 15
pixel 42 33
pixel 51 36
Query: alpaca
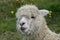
pixel 31 24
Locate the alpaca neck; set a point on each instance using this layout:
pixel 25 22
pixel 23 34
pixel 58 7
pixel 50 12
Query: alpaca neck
pixel 40 34
pixel 44 31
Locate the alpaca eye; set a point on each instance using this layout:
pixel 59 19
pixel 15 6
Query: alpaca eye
pixel 33 17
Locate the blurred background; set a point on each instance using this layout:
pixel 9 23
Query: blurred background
pixel 8 9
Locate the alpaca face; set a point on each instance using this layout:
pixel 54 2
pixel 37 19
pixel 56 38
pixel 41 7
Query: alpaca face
pixel 25 23
pixel 28 19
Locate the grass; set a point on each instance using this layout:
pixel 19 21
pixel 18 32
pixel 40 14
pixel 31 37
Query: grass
pixel 8 30
pixel 8 25
pixel 54 24
pixel 10 36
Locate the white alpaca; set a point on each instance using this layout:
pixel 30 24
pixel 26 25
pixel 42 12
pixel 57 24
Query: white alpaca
pixel 31 24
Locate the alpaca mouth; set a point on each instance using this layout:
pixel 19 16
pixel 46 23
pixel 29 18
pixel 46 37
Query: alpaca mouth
pixel 24 30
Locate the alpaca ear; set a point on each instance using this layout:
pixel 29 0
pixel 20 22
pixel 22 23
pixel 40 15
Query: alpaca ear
pixel 43 12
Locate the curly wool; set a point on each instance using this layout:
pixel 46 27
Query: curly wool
pixel 43 33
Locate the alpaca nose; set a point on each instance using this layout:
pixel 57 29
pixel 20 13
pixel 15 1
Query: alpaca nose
pixel 22 24
pixel 22 28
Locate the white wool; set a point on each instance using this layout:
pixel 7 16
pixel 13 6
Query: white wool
pixel 26 7
pixel 41 31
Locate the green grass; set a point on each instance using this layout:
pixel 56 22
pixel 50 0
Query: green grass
pixel 10 36
pixel 8 25
pixel 8 30
pixel 54 24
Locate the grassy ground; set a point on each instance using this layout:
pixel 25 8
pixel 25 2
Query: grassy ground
pixel 54 24
pixel 8 30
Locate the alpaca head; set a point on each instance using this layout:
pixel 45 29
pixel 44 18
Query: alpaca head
pixel 29 18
